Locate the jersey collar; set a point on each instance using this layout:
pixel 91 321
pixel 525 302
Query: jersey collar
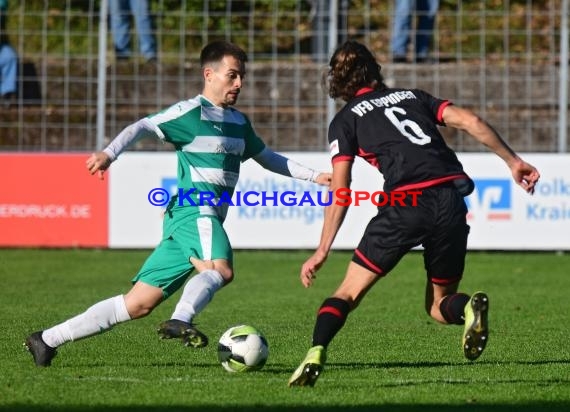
pixel 363 91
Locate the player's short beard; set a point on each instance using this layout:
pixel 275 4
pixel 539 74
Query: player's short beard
pixel 231 99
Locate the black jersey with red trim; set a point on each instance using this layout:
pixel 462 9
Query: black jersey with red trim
pixel 395 130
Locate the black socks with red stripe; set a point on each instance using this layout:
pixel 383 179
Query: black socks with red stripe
pixel 334 311
pixel 330 319
pixel 452 307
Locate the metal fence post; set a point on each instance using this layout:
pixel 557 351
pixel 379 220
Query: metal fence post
pixel 333 36
pixel 101 75
pixel 563 97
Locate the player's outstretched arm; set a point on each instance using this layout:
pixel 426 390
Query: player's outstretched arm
pixel 334 217
pixel 524 174
pixel 98 162
pixel 270 160
pixel 324 179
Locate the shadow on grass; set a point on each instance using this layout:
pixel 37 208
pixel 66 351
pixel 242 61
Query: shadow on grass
pixel 543 406
pixel 281 368
pixel 385 365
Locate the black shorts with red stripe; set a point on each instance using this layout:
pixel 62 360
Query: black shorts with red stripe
pixel 437 222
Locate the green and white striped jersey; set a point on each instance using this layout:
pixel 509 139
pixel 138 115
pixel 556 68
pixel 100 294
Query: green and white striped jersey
pixel 211 142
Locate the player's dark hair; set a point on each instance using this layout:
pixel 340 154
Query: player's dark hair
pixel 352 67
pixel 216 50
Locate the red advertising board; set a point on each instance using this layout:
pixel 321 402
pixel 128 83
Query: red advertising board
pixel 51 200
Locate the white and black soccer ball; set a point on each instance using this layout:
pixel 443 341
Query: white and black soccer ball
pixel 242 348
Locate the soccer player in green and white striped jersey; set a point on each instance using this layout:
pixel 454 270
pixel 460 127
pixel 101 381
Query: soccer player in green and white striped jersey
pixel 211 139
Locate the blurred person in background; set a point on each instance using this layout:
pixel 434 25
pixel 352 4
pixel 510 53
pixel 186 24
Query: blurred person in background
pixel 320 17
pixel 121 12
pixel 8 61
pixel 404 10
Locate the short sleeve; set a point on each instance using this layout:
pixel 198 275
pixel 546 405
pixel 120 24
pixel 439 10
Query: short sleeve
pixel 434 104
pixel 343 144
pixel 253 143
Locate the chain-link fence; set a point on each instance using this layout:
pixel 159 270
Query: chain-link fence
pixel 501 59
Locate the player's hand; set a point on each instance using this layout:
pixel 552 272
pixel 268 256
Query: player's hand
pixel 202 265
pixel 310 268
pixel 525 175
pixel 98 162
pixel 324 179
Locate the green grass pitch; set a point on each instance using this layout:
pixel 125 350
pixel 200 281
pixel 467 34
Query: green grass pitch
pixel 390 356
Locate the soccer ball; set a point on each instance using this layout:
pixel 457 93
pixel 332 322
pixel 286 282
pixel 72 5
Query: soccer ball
pixel 242 348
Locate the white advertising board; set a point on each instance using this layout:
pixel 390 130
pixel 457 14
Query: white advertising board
pixel 501 215
pixel 133 221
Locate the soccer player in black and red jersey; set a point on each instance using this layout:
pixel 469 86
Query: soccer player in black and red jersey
pixel 395 130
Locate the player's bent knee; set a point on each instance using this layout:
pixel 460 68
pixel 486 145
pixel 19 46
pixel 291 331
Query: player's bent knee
pixel 140 308
pixel 140 312
pixel 228 276
pixel 225 270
